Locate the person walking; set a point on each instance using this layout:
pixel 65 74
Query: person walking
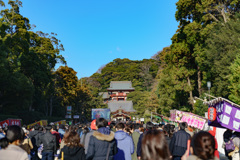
pixel 202 147
pixel 27 143
pixel 102 144
pixel 35 135
pixel 124 144
pixel 49 144
pixel 149 126
pixel 88 135
pixel 135 136
pixel 178 143
pixel 154 146
pixel 11 150
pixel 226 138
pixel 73 150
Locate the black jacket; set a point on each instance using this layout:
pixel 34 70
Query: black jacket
pixel 72 153
pixel 178 143
pixel 139 145
pixel 49 142
pixel 98 146
pixel 35 138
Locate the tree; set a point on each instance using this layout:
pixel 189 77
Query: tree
pixel 66 85
pixel 234 80
pixel 187 57
pixel 221 50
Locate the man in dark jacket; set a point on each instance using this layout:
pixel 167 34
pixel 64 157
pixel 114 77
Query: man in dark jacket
pixel 35 138
pixel 135 136
pixel 102 143
pixel 49 144
pixel 178 143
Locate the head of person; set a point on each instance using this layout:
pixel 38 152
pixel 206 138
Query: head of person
pixel 182 125
pixel 54 127
pixel 137 126
pixel 112 125
pixel 120 126
pixel 101 122
pixel 85 130
pixel 149 125
pixel 72 139
pixel 36 127
pixel 203 145
pixel 14 135
pixel 40 128
pixel 48 128
pixel 62 126
pixel 154 146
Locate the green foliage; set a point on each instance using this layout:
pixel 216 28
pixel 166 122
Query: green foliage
pixel 221 50
pixel 27 60
pixel 141 73
pixel 234 80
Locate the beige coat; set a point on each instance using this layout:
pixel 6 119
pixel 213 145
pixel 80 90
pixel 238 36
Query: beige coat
pixel 27 145
pixel 13 152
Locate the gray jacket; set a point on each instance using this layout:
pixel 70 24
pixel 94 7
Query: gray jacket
pixel 13 152
pixel 87 139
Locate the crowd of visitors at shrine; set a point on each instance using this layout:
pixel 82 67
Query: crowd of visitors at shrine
pixel 102 140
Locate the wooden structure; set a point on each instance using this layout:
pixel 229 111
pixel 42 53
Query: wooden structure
pixel 116 98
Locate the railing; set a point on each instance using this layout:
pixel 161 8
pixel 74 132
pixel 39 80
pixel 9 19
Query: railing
pixel 119 95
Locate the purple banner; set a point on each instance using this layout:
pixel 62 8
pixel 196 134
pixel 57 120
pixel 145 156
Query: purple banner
pixel 228 116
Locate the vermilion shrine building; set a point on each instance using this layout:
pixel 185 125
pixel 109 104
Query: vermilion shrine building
pixel 116 98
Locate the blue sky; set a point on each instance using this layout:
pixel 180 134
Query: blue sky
pixel 95 32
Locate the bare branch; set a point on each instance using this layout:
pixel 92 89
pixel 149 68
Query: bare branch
pixel 213 17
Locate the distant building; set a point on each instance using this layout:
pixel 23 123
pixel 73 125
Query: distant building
pixel 116 98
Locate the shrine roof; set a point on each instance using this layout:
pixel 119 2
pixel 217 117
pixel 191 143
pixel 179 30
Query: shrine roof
pixel 127 106
pixel 120 85
pixel 104 95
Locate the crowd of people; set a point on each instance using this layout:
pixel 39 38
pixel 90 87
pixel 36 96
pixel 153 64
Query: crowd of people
pixel 102 140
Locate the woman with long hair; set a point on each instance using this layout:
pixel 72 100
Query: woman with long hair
pixel 154 146
pixel 72 149
pixel 10 147
pixel 202 147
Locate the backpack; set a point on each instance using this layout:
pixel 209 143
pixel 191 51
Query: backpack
pixel 229 145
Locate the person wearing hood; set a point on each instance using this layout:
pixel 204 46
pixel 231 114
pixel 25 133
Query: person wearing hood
pixel 73 150
pixel 102 144
pixel 125 144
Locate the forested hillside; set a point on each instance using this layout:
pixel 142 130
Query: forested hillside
pixel 205 47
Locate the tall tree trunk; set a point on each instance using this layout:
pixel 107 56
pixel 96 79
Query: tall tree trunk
pixel 51 106
pixel 190 92
pixel 199 82
pixel 30 106
pixel 46 111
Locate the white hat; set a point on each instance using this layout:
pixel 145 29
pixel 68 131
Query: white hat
pixel 25 130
